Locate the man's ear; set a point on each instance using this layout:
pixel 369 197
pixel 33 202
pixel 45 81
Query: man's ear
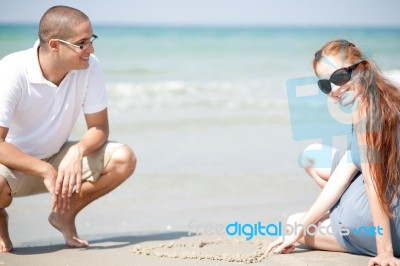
pixel 53 44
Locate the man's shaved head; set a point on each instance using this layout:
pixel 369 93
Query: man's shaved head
pixel 59 22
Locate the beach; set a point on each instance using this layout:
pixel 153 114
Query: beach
pixel 209 115
pixel 171 249
pixel 158 225
pixel 172 218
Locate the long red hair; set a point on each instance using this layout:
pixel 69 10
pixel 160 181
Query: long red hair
pixel 382 100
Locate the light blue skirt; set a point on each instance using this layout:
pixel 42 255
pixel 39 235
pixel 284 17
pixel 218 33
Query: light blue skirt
pixel 352 221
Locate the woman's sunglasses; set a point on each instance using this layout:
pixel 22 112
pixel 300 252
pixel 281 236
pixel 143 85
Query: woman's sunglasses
pixel 340 77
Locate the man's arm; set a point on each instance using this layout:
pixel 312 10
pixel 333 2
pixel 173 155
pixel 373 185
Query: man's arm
pixel 14 158
pixel 70 170
pixel 97 134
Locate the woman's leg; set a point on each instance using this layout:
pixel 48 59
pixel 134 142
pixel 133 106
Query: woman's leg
pixel 321 238
pixel 317 161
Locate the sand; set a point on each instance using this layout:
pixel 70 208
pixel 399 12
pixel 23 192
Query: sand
pixel 209 181
pixel 174 248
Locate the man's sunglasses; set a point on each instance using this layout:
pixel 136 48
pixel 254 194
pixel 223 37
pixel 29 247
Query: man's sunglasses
pixel 81 45
pixel 340 77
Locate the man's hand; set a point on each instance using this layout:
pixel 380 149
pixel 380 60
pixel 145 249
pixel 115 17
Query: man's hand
pixel 49 179
pixel 69 177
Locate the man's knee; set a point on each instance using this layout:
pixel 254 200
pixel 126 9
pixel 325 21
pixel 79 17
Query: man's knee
pixel 125 161
pixel 5 193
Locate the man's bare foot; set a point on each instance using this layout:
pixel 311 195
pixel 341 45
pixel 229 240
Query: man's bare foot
pixel 67 227
pixel 5 241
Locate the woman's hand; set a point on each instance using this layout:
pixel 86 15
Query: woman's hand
pixel 283 245
pixel 384 260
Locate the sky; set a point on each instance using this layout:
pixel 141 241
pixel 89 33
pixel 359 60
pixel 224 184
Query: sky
pixel 369 13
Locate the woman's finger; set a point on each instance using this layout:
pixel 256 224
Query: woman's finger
pixel 288 249
pixel 284 247
pixel 273 245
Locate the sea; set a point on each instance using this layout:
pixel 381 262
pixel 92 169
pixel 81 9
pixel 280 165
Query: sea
pixel 211 115
pixel 201 69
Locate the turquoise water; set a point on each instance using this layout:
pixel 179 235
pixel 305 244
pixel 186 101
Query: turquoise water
pixel 147 54
pixel 154 67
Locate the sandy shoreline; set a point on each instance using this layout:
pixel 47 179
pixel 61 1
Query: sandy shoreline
pixel 173 248
pixel 246 176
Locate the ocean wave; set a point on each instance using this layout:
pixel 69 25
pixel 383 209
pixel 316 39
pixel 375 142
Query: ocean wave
pixel 181 94
pixel 184 100
pixel 228 94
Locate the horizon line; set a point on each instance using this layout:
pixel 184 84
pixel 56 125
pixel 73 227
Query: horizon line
pixel 218 25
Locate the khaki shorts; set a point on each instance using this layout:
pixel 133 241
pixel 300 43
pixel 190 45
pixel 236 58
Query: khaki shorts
pixel 22 184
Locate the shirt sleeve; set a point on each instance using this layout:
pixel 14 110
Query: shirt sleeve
pixel 96 95
pixel 10 91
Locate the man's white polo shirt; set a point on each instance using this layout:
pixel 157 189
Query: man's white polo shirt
pixel 40 115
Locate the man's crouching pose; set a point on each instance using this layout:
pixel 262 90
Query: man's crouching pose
pixel 43 90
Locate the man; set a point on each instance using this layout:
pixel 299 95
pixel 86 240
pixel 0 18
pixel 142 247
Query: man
pixel 43 90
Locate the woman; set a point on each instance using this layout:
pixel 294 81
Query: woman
pixel 359 198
